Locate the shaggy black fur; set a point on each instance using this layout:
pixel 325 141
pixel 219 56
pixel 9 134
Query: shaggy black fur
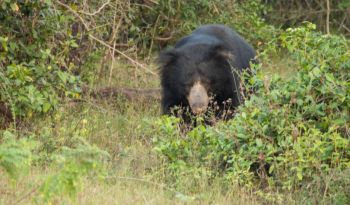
pixel 213 55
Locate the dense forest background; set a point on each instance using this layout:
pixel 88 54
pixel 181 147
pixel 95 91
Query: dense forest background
pixel 79 105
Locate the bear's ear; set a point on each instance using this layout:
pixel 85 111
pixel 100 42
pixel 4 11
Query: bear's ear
pixel 167 57
pixel 221 51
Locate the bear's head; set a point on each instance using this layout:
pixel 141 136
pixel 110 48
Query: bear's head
pixel 196 73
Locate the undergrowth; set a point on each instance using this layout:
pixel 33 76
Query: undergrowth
pixel 287 136
pixel 289 143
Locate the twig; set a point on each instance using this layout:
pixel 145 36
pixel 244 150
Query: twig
pixel 152 41
pixel 75 14
pixel 163 38
pixel 96 12
pixel 115 30
pixel 112 65
pixel 143 5
pixel 328 14
pixel 27 195
pixel 86 26
pixel 346 28
pixel 327 184
pixel 124 55
pixel 144 198
pixel 341 23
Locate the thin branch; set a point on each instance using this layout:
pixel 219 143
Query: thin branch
pixel 124 55
pixel 96 12
pixel 27 195
pixel 163 38
pixel 143 5
pixel 86 26
pixel 328 14
pixel 346 28
pixel 75 14
pixel 115 30
pixel 152 41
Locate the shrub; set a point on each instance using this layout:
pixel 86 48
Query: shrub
pixel 73 164
pixel 33 70
pixel 15 155
pixel 68 165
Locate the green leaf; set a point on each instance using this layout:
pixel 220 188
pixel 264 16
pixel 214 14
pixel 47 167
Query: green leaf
pixel 258 142
pixel 317 72
pixel 46 107
pixel 14 7
pixel 299 173
pixel 3 41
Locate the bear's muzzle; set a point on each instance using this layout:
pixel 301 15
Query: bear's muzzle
pixel 198 98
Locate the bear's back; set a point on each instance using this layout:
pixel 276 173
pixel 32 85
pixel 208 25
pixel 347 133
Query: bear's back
pixel 215 34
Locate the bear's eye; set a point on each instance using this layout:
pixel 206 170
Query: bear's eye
pixel 208 82
pixel 213 81
pixel 187 83
pixel 186 86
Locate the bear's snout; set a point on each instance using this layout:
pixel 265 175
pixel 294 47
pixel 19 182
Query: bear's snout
pixel 198 98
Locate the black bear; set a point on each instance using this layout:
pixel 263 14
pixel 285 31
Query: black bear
pixel 204 66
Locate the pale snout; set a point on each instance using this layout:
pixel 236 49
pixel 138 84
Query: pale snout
pixel 198 98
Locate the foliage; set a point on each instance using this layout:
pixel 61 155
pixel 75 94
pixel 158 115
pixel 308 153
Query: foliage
pixel 289 133
pixel 290 13
pixel 33 69
pixel 54 135
pixel 169 20
pixel 43 43
pixel 73 165
pixel 292 133
pixel 15 155
pixel 70 162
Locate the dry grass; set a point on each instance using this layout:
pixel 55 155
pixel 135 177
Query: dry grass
pixel 123 190
pixel 125 129
pixel 134 175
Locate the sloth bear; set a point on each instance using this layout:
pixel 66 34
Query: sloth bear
pixel 204 67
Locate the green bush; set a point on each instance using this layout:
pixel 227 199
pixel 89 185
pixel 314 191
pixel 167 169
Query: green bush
pixel 33 71
pixel 69 165
pixel 16 155
pixel 73 164
pixel 288 134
